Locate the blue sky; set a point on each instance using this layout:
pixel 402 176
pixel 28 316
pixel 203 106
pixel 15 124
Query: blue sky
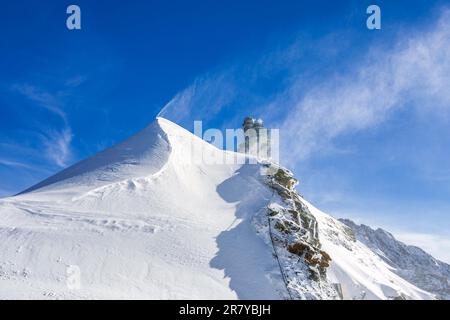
pixel 363 115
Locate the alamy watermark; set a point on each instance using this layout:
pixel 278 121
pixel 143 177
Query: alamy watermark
pixel 250 144
pixel 374 20
pixel 73 21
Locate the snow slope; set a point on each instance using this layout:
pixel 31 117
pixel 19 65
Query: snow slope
pixel 410 262
pixel 146 220
pixel 140 221
pixel 361 273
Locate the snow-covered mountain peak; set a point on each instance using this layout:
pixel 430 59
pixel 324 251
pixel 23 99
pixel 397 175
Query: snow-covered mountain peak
pixel 162 215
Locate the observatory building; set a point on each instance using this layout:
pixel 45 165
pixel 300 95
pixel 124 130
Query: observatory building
pixel 257 138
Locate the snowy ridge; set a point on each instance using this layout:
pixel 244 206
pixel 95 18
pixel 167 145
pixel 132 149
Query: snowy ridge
pixel 142 220
pixel 141 155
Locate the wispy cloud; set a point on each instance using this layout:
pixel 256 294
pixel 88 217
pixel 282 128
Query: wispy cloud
pixel 56 142
pixel 41 98
pixel 12 163
pixel 313 111
pixel 415 73
pixel 57 145
pixel 75 81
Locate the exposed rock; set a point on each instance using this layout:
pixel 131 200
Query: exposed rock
pixel 294 236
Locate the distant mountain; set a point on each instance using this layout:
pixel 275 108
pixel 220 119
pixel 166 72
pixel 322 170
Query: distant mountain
pixel 146 219
pixel 409 262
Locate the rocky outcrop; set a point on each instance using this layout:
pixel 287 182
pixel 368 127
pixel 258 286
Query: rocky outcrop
pixel 294 236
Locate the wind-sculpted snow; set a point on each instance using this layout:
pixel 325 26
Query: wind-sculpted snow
pixel 142 220
pixel 141 155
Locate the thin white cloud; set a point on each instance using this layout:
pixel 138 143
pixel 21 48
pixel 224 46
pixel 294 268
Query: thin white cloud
pixel 313 111
pixel 12 163
pixel 57 146
pixel 75 81
pixel 42 98
pixel 414 73
pixel 56 141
